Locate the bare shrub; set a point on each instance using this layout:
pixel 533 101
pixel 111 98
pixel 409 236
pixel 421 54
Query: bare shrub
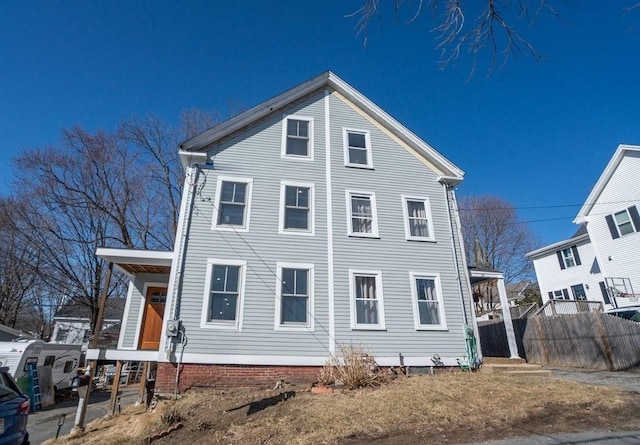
pixel 171 415
pixel 354 368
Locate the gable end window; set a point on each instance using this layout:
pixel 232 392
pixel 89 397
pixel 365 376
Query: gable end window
pixel 297 137
pixel 428 309
pixel 297 208
pixel 233 202
pixel 568 257
pixel 367 307
pixel 418 225
pixel 294 297
pixel 224 294
pixel 624 222
pixel 362 214
pixel 357 148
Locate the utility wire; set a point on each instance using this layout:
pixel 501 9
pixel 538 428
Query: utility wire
pixel 548 206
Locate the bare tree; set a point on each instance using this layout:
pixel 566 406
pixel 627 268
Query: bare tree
pixel 495 238
pixel 494 25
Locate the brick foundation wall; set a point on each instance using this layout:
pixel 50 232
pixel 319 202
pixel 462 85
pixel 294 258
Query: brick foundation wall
pixel 230 376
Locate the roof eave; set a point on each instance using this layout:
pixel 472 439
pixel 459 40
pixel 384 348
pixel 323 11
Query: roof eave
pixel 555 246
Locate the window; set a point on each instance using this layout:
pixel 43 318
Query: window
pixel 69 365
pixel 361 208
pixel 568 257
pixel 233 200
pixel 428 310
pixel 417 219
pixel 294 296
pixel 624 222
pixel 297 208
pixel 578 292
pixel 604 292
pixel 61 336
pixel 357 148
pixel 224 291
pixel 297 137
pixel 49 360
pixel 367 310
pixel 29 361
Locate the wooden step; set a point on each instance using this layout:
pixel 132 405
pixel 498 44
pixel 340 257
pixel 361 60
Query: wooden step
pixel 539 372
pixel 503 361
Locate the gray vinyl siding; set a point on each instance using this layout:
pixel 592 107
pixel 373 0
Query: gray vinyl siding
pixel 395 172
pixel 256 154
pixel 136 306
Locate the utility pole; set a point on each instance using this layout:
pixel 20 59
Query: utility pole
pixel 83 402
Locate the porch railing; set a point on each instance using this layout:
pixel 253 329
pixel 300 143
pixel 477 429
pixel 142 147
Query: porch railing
pixel 569 307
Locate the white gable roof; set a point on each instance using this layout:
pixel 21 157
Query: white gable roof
pixel 203 141
pixel 620 153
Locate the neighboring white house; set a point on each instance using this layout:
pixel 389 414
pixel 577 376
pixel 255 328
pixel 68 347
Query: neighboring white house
pixel 601 262
pixel 310 221
pixel 71 323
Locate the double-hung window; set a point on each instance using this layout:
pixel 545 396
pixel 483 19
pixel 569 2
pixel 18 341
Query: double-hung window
pixel 357 148
pixel 418 225
pixel 297 137
pixel 224 294
pixel 362 214
pixel 428 309
pixel 294 297
pixel 297 207
pixel 568 257
pixel 367 307
pixel 623 222
pixel 233 202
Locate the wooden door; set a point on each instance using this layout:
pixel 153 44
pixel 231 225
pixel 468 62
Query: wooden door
pixel 152 318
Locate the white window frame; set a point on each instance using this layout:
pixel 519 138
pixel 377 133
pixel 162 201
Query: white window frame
pixel 629 221
pixel 405 213
pixel 570 256
pixel 283 152
pixel 312 208
pixel 374 214
pixel 309 326
pixel 345 143
pixel 414 298
pixel 219 325
pixel 247 207
pixel 381 326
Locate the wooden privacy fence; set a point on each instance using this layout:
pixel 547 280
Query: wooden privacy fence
pixel 585 340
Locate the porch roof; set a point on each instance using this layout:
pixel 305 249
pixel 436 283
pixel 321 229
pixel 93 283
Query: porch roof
pixel 478 275
pixel 133 261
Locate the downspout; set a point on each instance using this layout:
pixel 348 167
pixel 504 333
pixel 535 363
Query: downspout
pixel 452 208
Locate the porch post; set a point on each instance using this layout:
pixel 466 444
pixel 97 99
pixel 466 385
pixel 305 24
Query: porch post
pixel 506 316
pixel 115 388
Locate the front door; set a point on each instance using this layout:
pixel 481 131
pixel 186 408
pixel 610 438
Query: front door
pixel 152 318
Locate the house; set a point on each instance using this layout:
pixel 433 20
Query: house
pixel 72 325
pixel 310 221
pixel 600 261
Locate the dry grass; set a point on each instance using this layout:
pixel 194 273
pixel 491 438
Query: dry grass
pixel 453 407
pixel 354 368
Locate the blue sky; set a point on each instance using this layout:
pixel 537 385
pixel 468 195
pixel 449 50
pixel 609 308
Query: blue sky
pixel 537 134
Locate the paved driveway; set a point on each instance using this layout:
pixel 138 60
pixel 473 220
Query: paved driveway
pixel 44 424
pixel 628 380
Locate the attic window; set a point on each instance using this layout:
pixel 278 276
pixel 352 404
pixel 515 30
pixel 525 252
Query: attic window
pixel 357 148
pixel 297 137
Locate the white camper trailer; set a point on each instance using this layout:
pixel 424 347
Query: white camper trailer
pixel 63 359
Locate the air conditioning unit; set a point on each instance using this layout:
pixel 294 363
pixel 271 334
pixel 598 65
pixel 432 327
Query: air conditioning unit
pixel 173 326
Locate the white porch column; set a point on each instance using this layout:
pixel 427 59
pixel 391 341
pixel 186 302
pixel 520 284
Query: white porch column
pixel 506 316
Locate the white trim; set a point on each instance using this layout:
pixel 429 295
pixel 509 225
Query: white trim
pixel 367 143
pixel 312 208
pixel 283 150
pixel 309 325
pixel 405 213
pixel 247 205
pixel 380 326
pixel 552 248
pixel 143 305
pixel 124 355
pixel 329 199
pixel 414 300
pixel 242 277
pixel 125 316
pixel 374 214
pixel 284 360
pixel 186 206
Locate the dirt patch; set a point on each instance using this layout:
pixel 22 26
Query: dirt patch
pixel 447 408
